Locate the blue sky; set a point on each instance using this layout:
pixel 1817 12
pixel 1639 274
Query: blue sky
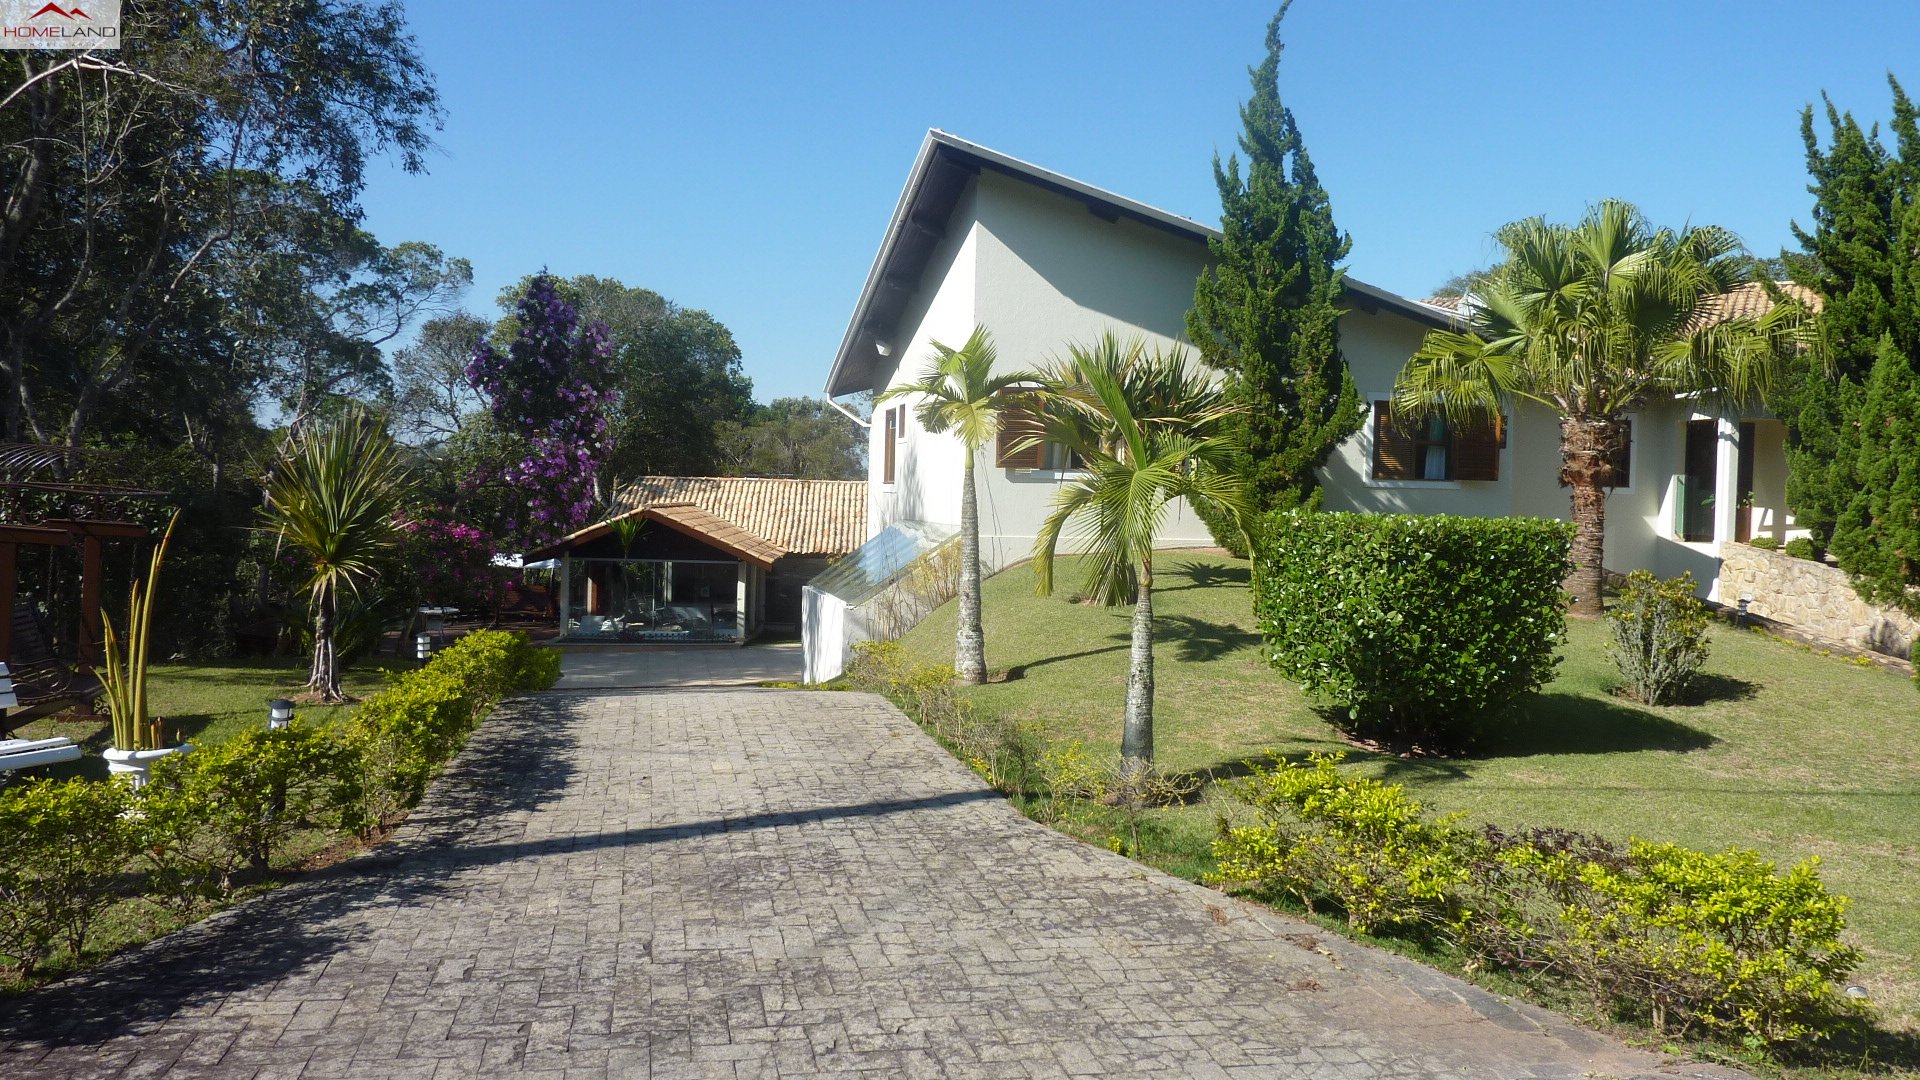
pixel 744 158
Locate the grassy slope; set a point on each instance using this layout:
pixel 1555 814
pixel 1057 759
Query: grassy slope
pixel 1795 754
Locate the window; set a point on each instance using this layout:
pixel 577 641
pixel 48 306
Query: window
pixel 892 436
pixel 1434 449
pixel 1019 445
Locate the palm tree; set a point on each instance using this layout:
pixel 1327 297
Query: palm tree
pixel 1594 321
pixel 332 497
pixel 1149 428
pixel 960 393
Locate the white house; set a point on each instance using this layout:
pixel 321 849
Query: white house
pixel 1043 260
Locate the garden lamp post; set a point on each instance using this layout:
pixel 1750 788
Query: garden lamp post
pixel 279 714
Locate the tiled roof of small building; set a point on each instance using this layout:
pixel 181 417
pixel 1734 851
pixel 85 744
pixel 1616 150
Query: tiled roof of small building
pixel 1746 301
pixel 800 517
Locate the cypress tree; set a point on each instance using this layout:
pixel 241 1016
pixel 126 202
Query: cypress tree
pixel 1267 312
pixel 1877 536
pixel 1850 259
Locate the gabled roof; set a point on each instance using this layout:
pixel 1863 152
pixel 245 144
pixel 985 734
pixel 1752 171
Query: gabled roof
pixel 940 174
pixel 680 517
pixel 801 517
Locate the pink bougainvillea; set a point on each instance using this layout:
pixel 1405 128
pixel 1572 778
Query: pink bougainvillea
pixel 453 564
pixel 550 386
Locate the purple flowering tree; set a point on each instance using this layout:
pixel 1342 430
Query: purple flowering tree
pixel 550 387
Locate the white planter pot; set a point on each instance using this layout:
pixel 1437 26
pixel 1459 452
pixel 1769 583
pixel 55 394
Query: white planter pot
pixel 137 765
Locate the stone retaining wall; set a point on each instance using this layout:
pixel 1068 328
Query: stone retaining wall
pixel 1813 597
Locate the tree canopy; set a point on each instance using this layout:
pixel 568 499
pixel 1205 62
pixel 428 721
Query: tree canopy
pixel 1268 311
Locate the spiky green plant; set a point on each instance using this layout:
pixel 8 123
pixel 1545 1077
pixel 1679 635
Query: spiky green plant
pixel 332 497
pixel 124 675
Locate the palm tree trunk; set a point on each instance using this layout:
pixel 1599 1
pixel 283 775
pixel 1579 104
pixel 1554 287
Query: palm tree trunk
pixel 1136 738
pixel 323 677
pixel 970 641
pixel 1583 463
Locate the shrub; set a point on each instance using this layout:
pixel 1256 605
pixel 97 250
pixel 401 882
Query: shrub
pixel 1659 636
pixel 238 804
pixel 1002 749
pixel 1419 631
pixel 402 734
pixel 1225 531
pixel 1764 543
pixel 1802 548
pixel 67 847
pixel 1722 941
pixel 1361 843
pixel 1130 785
pixel 1681 937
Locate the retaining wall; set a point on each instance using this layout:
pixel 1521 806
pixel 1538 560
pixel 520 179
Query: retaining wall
pixel 1812 597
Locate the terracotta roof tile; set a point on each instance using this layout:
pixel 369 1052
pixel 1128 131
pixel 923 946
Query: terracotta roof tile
pixel 1745 301
pixel 802 517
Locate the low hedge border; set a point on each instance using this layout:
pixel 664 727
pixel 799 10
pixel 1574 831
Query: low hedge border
pixel 79 849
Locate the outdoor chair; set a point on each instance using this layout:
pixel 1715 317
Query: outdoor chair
pixel 43 682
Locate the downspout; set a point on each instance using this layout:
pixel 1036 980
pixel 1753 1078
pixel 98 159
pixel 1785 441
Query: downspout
pixel 846 412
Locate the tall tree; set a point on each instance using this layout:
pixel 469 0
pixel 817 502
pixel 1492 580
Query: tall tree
pixel 549 386
pixel 959 392
pixel 1849 258
pixel 432 397
pixel 803 438
pixel 1591 321
pixel 674 373
pixel 1877 536
pixel 332 497
pixel 1268 310
pixel 130 176
pixel 1151 428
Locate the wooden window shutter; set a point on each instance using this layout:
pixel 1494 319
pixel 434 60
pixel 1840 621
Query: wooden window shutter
pixel 1620 456
pixel 1019 424
pixel 1392 448
pixel 1476 449
pixel 888 451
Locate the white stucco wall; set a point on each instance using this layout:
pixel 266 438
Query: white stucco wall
pixel 1041 273
pixel 927 466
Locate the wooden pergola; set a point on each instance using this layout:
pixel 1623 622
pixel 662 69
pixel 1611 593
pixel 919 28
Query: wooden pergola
pixel 91 514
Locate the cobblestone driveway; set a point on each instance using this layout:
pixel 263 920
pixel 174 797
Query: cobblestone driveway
pixel 760 884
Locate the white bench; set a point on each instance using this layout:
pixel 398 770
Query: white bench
pixel 26 753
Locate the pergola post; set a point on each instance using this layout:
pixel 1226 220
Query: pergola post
pixel 91 569
pixel 9 570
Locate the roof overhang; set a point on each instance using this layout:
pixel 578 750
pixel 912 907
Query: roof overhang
pixel 941 171
pixel 682 518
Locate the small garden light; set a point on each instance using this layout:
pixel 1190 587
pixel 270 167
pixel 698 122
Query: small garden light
pixel 422 647
pixel 279 714
pixel 1744 601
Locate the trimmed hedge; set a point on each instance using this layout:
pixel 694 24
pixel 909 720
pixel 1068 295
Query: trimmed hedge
pixel 75 848
pixel 1723 942
pixel 1419 631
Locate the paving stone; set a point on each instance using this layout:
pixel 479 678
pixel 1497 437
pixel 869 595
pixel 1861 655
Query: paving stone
pixel 747 883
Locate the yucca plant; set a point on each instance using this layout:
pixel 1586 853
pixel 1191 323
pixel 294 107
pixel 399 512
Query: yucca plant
pixel 125 673
pixel 332 496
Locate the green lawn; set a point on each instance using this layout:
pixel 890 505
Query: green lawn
pixel 207 704
pixel 1793 753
